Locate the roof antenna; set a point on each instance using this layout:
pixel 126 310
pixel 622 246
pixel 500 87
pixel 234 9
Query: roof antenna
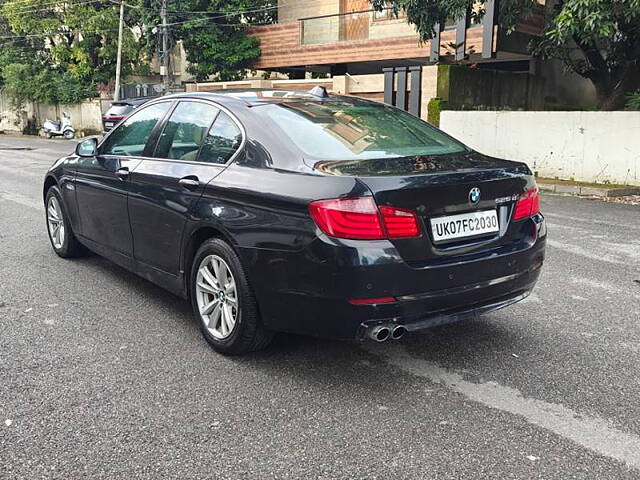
pixel 319 91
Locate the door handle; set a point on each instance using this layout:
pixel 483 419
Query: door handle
pixel 190 183
pixel 123 173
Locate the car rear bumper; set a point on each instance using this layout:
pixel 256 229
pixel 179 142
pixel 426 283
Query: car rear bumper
pixel 461 311
pixel 308 292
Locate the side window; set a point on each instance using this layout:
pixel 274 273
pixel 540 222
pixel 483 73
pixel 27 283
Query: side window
pixel 130 138
pixel 222 141
pixel 185 130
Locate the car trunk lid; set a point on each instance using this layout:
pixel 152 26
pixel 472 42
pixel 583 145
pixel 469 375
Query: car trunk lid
pixel 441 186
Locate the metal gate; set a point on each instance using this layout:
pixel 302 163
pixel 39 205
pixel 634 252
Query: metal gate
pixel 403 88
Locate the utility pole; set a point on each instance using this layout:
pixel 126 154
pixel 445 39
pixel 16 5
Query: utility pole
pixel 164 58
pixel 116 94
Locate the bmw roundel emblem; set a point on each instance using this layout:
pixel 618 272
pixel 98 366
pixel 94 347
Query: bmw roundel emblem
pixel 474 196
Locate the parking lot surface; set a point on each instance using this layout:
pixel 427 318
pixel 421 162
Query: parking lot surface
pixel 105 375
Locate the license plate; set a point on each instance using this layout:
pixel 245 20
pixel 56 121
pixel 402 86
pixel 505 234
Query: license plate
pixel 464 225
pixel 109 124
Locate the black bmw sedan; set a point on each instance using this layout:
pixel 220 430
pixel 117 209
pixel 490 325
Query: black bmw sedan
pixel 321 215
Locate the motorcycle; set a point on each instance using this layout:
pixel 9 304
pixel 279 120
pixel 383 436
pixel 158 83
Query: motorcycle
pixel 59 128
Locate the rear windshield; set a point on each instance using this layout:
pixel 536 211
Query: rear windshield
pixel 352 130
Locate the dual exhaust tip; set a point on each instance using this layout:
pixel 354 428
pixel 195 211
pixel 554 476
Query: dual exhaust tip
pixel 382 333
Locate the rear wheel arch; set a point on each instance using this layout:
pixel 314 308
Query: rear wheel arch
pixel 248 333
pixel 196 239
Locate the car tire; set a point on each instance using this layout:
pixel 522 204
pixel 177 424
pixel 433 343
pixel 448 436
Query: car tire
pixel 66 245
pixel 247 333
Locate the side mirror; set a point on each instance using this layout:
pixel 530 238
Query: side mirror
pixel 87 148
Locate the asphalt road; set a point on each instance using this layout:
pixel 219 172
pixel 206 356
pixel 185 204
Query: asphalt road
pixel 104 375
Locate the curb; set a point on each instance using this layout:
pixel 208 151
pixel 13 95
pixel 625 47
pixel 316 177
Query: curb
pixel 589 191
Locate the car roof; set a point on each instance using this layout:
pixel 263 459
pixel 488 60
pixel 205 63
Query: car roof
pixel 258 96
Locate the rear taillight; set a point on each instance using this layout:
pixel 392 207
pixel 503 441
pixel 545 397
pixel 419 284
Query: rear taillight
pixel 360 219
pixel 356 218
pixel 528 204
pixel 116 118
pixel 399 223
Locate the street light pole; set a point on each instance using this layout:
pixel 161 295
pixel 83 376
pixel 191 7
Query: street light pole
pixel 116 94
pixel 164 59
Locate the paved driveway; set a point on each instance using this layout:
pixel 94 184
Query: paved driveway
pixel 104 375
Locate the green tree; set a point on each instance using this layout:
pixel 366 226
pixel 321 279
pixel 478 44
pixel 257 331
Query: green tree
pixel 597 39
pixel 74 42
pixel 72 45
pixel 11 50
pixel 633 101
pixel 215 41
pixel 80 36
pixel 46 85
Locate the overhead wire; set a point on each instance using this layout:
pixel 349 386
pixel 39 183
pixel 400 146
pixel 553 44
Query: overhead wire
pixel 60 32
pixel 221 13
pixel 217 15
pixel 205 19
pixel 48 6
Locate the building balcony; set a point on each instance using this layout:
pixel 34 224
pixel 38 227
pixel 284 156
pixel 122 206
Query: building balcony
pixel 370 36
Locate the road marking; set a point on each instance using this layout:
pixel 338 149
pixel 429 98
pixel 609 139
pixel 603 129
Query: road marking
pixel 565 227
pixel 21 200
pixel 591 432
pixel 576 250
pixel 631 249
pixel 606 286
pixel 624 226
pixel 600 285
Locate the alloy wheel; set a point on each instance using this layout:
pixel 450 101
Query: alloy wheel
pixel 55 221
pixel 217 297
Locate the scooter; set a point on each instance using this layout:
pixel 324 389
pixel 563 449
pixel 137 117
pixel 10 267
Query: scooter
pixel 59 128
